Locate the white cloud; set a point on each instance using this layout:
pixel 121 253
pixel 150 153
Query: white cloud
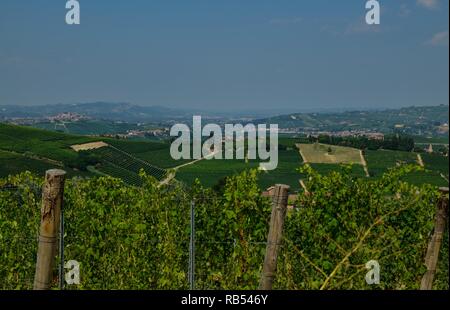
pixel 429 4
pixel 439 39
pixel 286 21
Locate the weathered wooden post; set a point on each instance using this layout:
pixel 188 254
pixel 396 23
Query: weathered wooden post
pixel 52 198
pixel 432 256
pixel 279 206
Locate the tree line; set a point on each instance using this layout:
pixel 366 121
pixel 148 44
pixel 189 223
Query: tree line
pixel 390 142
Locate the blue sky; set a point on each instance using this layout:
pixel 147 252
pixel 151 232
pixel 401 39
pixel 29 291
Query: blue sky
pixel 227 55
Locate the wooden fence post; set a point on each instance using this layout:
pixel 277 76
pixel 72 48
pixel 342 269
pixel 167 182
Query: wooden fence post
pixel 431 258
pixel 52 198
pixel 279 206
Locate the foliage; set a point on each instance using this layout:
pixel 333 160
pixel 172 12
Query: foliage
pixel 346 222
pixel 83 160
pixel 390 142
pixel 128 237
pixel 230 232
pixel 19 222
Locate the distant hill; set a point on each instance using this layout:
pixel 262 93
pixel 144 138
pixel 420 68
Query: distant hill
pixel 125 112
pixel 419 121
pixel 412 120
pixel 36 150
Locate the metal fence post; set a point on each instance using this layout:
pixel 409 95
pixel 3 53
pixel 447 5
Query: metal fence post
pixel 61 249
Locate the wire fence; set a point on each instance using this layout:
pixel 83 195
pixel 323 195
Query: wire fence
pixel 192 258
pixel 23 244
pixel 20 243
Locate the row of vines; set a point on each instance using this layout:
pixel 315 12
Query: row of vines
pixel 129 237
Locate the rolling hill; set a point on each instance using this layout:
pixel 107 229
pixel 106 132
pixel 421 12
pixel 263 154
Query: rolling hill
pixel 36 150
pixel 412 120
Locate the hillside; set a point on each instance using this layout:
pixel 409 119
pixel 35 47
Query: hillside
pixel 35 150
pixel 421 121
pixel 97 110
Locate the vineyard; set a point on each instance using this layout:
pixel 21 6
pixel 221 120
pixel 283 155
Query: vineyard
pixel 131 237
pixel 35 150
pixel 120 164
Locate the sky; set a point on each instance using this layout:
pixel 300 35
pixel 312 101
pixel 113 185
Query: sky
pixel 226 55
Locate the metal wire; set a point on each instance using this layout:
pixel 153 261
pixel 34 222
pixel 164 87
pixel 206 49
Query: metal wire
pixel 61 249
pixel 192 249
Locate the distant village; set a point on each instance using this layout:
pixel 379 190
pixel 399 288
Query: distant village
pixel 343 134
pixel 61 117
pixel 157 133
pixel 162 132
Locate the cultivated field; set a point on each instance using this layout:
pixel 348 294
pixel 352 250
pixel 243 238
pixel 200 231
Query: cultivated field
pixel 120 164
pixel 381 160
pixel 319 154
pixel 29 149
pixel 88 146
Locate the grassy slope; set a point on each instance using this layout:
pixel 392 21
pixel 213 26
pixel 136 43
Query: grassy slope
pixel 210 172
pixel 26 149
pixel 23 146
pixel 56 146
pixel 41 143
pixel 156 153
pixel 380 161
pixel 13 164
pixel 318 153
pixel 425 140
pixel 87 127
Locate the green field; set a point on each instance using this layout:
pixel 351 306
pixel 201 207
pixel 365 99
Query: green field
pixel 288 163
pixel 210 172
pixel 381 160
pixel 436 163
pixel 25 148
pixel 434 140
pixel 156 153
pixel 87 127
pixel 11 164
pixel 41 143
pixel 122 165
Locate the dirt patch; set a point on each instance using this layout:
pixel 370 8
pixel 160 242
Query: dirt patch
pixel 88 146
pixel 364 163
pixel 318 153
pixel 420 160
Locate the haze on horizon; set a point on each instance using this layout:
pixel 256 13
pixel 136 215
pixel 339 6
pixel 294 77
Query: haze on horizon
pixel 226 55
